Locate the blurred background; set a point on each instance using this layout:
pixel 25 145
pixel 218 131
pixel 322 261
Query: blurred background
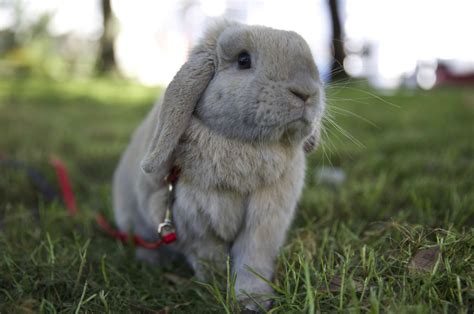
pixel 390 43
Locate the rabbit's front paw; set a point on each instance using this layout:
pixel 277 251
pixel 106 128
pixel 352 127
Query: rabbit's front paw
pixel 254 295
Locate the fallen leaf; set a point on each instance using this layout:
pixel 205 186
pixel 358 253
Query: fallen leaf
pixel 164 310
pixel 336 282
pixel 424 260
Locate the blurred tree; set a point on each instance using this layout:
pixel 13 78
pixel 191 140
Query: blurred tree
pixel 106 60
pixel 337 69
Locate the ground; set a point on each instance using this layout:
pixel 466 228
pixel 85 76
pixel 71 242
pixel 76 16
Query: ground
pixel 408 159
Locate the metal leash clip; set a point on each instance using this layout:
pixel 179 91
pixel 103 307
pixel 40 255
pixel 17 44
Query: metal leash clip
pixel 166 229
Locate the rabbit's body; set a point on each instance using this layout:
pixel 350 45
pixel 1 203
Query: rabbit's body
pixel 228 185
pixel 238 140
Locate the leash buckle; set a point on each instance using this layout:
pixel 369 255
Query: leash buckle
pixel 167 231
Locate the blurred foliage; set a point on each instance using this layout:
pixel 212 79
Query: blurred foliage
pixel 28 48
pixel 96 91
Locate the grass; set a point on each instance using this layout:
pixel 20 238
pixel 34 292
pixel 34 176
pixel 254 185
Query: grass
pixel 408 161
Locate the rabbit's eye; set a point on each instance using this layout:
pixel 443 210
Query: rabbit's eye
pixel 244 60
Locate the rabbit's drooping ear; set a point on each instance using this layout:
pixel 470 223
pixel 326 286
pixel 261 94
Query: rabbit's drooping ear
pixel 180 99
pixel 178 104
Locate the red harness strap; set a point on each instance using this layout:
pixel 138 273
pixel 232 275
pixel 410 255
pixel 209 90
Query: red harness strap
pixel 70 201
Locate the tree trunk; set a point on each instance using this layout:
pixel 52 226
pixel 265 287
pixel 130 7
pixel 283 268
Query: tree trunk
pixel 337 69
pixel 106 59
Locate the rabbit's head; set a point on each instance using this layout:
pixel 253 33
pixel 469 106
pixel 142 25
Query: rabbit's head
pixel 251 83
pixel 266 86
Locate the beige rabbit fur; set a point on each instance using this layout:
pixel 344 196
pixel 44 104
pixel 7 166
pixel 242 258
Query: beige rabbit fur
pixel 237 134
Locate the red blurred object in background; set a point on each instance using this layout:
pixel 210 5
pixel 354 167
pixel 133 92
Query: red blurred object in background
pixel 445 76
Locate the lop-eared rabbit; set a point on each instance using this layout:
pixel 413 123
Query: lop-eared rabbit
pixel 236 119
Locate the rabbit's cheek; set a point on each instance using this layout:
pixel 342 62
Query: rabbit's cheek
pixel 266 117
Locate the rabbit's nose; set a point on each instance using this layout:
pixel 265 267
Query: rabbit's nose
pixel 304 97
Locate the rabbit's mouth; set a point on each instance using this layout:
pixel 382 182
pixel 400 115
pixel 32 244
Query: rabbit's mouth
pixel 300 126
pixel 303 116
pixel 297 130
pixel 286 119
pixel 300 120
pixel 303 121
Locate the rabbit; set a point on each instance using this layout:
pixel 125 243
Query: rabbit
pixel 236 120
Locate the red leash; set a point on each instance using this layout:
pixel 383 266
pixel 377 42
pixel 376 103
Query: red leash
pixel 65 185
pixel 70 201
